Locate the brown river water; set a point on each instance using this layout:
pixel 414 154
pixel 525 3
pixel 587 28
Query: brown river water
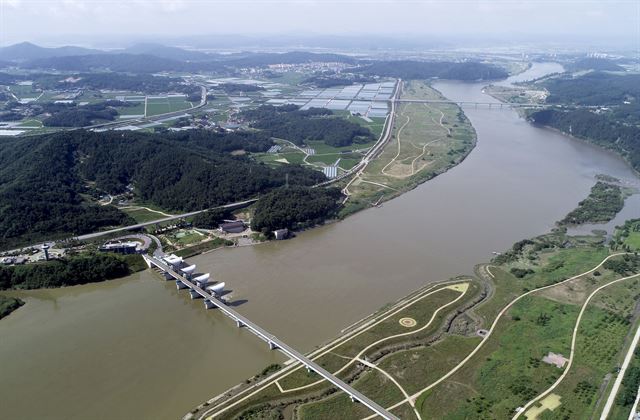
pixel 136 348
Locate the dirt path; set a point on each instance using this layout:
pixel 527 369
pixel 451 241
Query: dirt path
pixel 399 147
pixel 382 340
pixel 148 209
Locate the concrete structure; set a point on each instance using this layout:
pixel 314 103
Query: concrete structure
pixel 212 301
pixel 118 247
pixel 555 359
pixel 13 260
pixel 281 234
pixel 236 226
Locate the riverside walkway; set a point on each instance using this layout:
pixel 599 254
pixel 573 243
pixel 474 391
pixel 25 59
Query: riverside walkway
pixel 274 342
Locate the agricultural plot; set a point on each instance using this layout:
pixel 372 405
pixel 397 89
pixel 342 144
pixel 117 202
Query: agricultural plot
pixel 163 105
pixel 137 109
pixel 24 91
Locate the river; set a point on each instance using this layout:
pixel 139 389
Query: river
pixel 138 348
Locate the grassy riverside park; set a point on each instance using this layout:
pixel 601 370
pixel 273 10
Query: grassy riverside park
pixel 477 354
pixel 427 140
pixel 505 370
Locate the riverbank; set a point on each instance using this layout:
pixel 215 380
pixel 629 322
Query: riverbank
pixel 8 305
pixel 392 355
pixel 427 141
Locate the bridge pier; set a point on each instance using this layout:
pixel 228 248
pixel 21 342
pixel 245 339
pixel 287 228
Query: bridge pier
pixel 180 285
pixel 167 276
pixel 272 345
pixel 147 261
pixel 209 305
pixel 239 323
pixel 194 294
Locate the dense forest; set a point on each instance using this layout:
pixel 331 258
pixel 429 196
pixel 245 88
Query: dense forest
pixel 211 218
pixel 597 88
pixel 72 115
pixel 603 203
pixel 615 126
pixel 119 81
pixel 290 123
pixel 592 63
pixel 604 129
pixel 295 207
pixel 44 179
pixel 407 69
pixel 86 268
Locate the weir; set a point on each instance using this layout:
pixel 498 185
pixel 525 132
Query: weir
pixel 211 301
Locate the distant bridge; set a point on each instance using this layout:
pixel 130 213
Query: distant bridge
pixel 212 301
pixel 475 104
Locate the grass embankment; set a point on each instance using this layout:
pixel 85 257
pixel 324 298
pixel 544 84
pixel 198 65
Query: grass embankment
pixel 8 305
pixel 507 371
pixel 603 203
pixel 203 247
pixel 427 140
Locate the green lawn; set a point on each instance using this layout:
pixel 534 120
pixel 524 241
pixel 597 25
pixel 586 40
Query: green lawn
pixel 203 247
pixel 143 215
pixel 138 109
pixel 165 105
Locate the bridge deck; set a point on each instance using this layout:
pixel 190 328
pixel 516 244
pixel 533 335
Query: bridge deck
pixel 274 341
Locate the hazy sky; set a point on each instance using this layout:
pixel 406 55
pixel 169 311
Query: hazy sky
pixel 49 21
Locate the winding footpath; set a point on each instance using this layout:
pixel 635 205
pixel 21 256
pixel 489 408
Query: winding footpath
pixel 459 366
pixel 362 327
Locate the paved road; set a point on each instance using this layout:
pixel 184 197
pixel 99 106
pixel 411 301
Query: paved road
pixel 134 227
pixel 376 148
pixel 618 381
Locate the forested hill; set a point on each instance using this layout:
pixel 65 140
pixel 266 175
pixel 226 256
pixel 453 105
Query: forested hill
pixel 596 89
pixel 615 125
pixel 407 69
pixel 45 180
pixel 592 63
pixel 290 123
